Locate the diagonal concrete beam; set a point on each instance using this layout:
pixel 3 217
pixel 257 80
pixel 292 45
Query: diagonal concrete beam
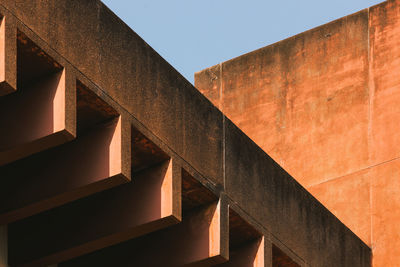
pixel 199 240
pixel 150 202
pixel 91 163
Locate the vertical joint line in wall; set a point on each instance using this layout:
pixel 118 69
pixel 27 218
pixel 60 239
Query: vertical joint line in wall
pixel 221 102
pixel 221 91
pixel 223 149
pixel 371 95
pixel 3 246
pixel 369 82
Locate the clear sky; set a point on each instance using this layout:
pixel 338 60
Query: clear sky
pixel 193 35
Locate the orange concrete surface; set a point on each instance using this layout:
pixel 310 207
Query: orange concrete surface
pixel 385 118
pixel 349 198
pixel 287 96
pixel 385 81
pixel 385 202
pixel 325 105
pixel 303 100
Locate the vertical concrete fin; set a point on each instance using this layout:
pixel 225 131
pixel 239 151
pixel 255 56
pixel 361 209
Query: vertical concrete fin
pixel 218 233
pixel 70 101
pixel 8 55
pixel 126 147
pixel 259 260
pixel 3 246
pixel 171 192
pixel 268 253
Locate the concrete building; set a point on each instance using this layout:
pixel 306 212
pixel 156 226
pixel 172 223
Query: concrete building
pixel 109 157
pixel 324 105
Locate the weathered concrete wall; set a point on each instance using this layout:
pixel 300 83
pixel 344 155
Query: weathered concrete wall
pixel 143 87
pixel 324 105
pixel 385 116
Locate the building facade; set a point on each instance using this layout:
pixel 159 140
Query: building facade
pixel 109 157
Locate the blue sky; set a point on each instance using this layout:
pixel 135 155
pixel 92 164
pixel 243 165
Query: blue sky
pixel 193 35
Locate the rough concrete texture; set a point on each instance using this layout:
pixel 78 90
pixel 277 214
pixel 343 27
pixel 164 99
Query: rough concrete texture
pixel 324 105
pixel 285 204
pixel 165 155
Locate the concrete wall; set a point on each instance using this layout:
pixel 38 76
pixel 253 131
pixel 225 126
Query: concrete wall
pixel 122 70
pixel 325 105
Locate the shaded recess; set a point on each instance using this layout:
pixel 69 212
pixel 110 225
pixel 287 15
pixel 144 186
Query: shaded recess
pixel 144 152
pixel 91 109
pixel 240 231
pixel 194 194
pixel 34 117
pixel 280 259
pixel 33 64
pixel 246 244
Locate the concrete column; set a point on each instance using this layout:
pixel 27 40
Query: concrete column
pixel 268 252
pixel 3 246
